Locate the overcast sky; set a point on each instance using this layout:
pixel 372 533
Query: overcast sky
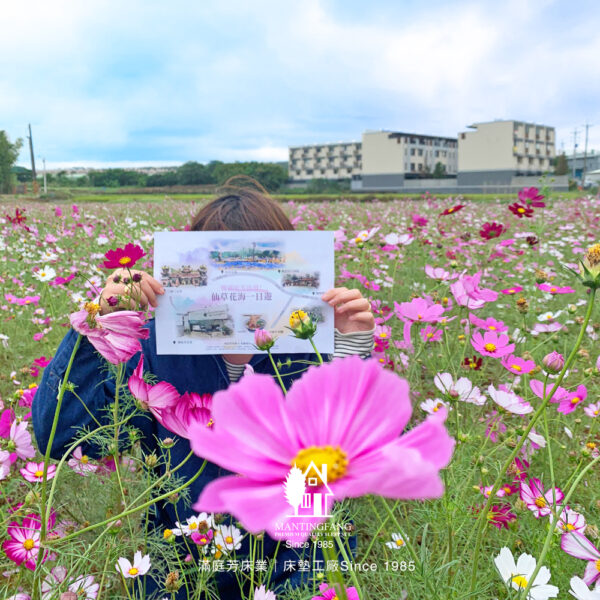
pixel 155 82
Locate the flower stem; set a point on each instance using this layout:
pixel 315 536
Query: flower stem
pixel 43 510
pixel 482 520
pixel 277 372
pixel 316 351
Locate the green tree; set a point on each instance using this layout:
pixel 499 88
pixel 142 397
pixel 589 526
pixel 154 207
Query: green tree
pixel 561 166
pixel 193 173
pixel 9 152
pixel 440 171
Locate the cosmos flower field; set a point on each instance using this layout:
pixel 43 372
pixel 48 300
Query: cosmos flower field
pixel 486 349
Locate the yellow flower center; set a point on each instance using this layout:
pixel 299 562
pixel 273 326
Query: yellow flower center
pixel 492 328
pixel 553 289
pixel 568 527
pixel 39 473
pixel 28 544
pixel 596 412
pixel 540 502
pixel 490 347
pixel 598 565
pixel 516 368
pixel 575 400
pixel 591 445
pixel 229 540
pixel 210 423
pixel 507 489
pixel 399 542
pixel 85 459
pixel 437 407
pixel 450 210
pixel 521 210
pixel 297 318
pixel 124 260
pixel 444 301
pixel 419 317
pixel 92 308
pixel 334 458
pixel 193 526
pixel 429 335
pixel 167 533
pixel 133 571
pixel 520 581
pixel 383 335
pixel 593 255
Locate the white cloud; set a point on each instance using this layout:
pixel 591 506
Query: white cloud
pixel 113 81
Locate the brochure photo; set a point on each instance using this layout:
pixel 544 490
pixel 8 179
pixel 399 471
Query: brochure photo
pixel 221 286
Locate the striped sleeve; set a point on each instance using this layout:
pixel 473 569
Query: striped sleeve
pixel 234 372
pixel 355 342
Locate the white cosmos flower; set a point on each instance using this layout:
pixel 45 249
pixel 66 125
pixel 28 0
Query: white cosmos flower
pixel 509 401
pixel 462 390
pixel 101 240
pixel 518 575
pixel 549 316
pixel 193 524
pixel 581 591
pixel 431 406
pixel 45 274
pixel 393 239
pixel 140 566
pixel 397 542
pixel 228 538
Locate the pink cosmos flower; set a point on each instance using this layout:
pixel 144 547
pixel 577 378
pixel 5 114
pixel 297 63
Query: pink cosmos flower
pixel 567 404
pixel 592 410
pixel 80 463
pixel 500 515
pixel 140 566
pixel 356 443
pixel 261 593
pixel 532 197
pixel 569 520
pixel 34 472
pixel 579 546
pixel 431 334
pixel 517 365
pixel 438 273
pixel 123 257
pixel 116 335
pixel 515 289
pixel 19 443
pixel 489 324
pixel 24 542
pixel 467 292
pixel 518 469
pixel 546 328
pixel 419 310
pixel 6 420
pixel 329 593
pixel 494 426
pixel 492 344
pixel 538 501
pixel 553 289
pixel 151 397
pixel 509 400
pixel 189 408
pixel 462 389
pixel 537 387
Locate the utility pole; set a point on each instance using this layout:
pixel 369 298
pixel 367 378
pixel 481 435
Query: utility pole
pixel 574 150
pixel 33 173
pixel 45 186
pixel 587 126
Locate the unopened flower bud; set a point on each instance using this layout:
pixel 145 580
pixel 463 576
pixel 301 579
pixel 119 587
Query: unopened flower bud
pixel 553 362
pixel 540 276
pixel 151 460
pixel 263 339
pixel 522 305
pixel 591 531
pixel 520 505
pixel 137 277
pixel 172 583
pixel 572 308
pixel 167 442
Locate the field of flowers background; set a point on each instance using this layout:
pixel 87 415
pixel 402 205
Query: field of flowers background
pixel 469 296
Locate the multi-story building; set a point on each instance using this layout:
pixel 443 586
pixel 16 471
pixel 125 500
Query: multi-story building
pixel 391 157
pixel 495 152
pixel 325 161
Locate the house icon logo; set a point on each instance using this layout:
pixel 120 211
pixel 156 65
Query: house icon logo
pixel 307 491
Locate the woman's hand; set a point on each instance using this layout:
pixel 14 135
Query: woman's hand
pixel 131 290
pixel 352 311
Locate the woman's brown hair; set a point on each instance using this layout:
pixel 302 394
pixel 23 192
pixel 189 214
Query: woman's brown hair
pixel 242 205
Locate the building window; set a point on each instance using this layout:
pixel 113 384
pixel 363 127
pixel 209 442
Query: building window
pixel 412 151
pixel 420 151
pixel 412 167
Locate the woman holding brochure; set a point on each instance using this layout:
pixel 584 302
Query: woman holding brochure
pixel 238 209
